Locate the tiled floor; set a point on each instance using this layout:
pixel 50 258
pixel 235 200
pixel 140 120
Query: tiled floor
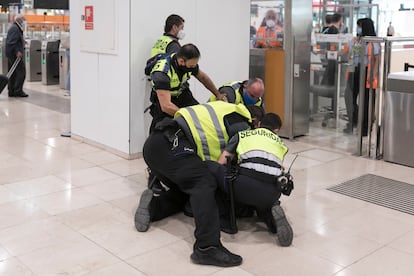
pixel 66 208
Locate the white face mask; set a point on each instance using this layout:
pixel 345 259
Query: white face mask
pixel 270 23
pixel 181 34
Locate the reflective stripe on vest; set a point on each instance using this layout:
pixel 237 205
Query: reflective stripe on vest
pixel 164 65
pixel 160 46
pixel 206 123
pixel 261 150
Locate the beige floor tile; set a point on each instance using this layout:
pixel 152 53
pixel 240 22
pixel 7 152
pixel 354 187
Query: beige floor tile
pixel 125 167
pixel 6 195
pixel 114 189
pixel 124 241
pixel 373 227
pixel 404 243
pixel 176 261
pixel 287 262
pixel 38 186
pixel 13 266
pixel 321 155
pixel 25 238
pixel 76 258
pixel 340 248
pixel 4 254
pixel 232 271
pixel 385 261
pixel 93 218
pixel 88 176
pixel 117 269
pixel 65 201
pixel 101 157
pixel 19 212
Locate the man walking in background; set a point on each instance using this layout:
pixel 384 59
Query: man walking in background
pixel 15 49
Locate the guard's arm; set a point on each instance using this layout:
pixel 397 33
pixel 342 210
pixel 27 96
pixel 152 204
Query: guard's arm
pixel 208 83
pixel 164 98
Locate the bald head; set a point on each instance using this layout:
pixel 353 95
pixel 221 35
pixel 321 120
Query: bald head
pixel 255 88
pixel 19 18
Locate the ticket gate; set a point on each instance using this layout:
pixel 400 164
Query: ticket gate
pixel 4 67
pixel 50 62
pixel 63 67
pixel 33 60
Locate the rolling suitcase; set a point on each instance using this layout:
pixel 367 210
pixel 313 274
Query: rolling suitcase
pixel 4 79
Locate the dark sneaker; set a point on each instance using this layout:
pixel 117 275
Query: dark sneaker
pixel 142 215
pixel 215 255
pixel 283 228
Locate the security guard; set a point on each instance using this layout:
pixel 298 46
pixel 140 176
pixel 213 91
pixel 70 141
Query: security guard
pixel 173 31
pixel 169 77
pixel 260 153
pixel 248 92
pixel 175 152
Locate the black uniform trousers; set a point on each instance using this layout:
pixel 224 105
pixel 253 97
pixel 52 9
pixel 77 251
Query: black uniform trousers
pixel 182 166
pixel 185 99
pixel 249 190
pixel 16 80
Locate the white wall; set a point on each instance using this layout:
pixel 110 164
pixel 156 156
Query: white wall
pixel 100 83
pixel 110 92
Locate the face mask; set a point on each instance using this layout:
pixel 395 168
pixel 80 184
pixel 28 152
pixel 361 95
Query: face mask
pixel 249 100
pixel 181 34
pixel 24 24
pixel 270 23
pixel 359 31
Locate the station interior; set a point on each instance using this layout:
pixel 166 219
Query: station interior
pixel 71 165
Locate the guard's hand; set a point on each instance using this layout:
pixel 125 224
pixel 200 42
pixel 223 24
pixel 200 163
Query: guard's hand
pixel 222 97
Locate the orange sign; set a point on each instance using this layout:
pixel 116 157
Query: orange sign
pixel 88 17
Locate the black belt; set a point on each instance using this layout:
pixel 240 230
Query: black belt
pixel 268 178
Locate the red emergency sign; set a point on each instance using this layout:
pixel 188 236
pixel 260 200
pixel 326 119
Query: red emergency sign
pixel 88 17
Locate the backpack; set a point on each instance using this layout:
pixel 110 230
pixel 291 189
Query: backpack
pixel 152 61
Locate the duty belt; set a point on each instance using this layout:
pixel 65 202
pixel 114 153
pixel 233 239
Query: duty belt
pixel 258 175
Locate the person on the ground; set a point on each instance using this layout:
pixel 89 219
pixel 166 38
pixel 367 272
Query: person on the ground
pixel 259 153
pixel 176 152
pixel 168 79
pixel 248 92
pixel 15 44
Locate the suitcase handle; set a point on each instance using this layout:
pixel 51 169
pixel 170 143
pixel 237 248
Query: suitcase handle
pixel 11 71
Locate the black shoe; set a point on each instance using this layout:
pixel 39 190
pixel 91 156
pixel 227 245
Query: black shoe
pixel 215 255
pixel 142 214
pixel 21 95
pixel 283 228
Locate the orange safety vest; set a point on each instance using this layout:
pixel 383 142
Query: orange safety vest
pixel 369 67
pixel 268 35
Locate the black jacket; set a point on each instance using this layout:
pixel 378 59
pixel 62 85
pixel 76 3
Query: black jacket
pixel 14 41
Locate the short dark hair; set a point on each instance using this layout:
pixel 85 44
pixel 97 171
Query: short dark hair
pixel 367 26
pixel 328 18
pixel 172 20
pixel 271 121
pixel 336 17
pixel 188 51
pixel 256 113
